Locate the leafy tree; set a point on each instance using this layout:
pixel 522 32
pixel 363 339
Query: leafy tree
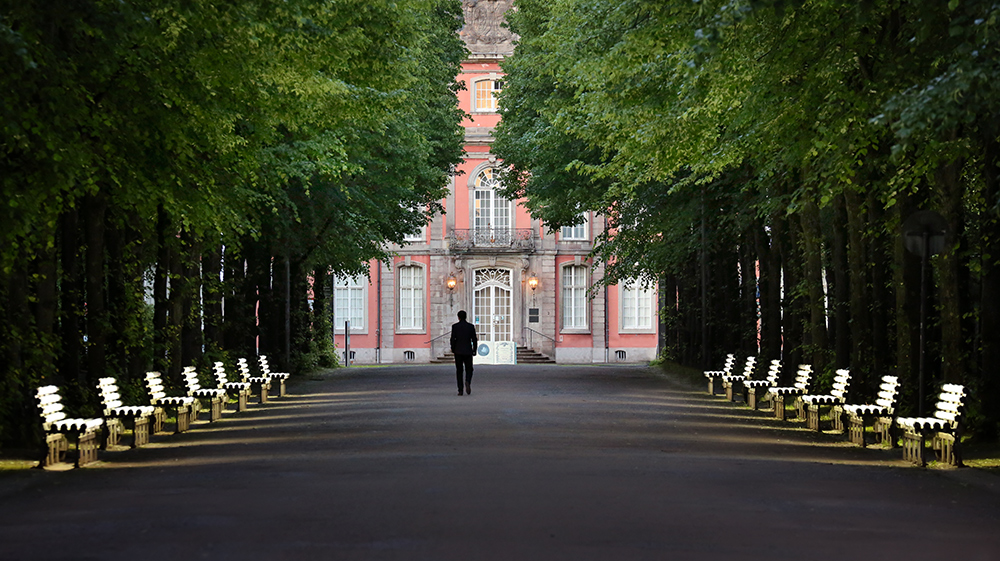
pixel 166 145
pixel 787 139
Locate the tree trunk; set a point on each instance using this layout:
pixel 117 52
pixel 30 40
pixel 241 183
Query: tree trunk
pixel 861 349
pixel 907 281
pixel 46 307
pixel 175 316
pixel 18 375
pixel 118 290
pixel 97 314
pixel 812 244
pixel 990 297
pixel 690 314
pixel 673 334
pixel 238 321
pixel 791 321
pixel 841 286
pixel 161 277
pixel 130 306
pixel 190 286
pixel 704 339
pixel 17 317
pixel 748 317
pixel 287 309
pixel 795 308
pixel 256 291
pixel 300 334
pixel 949 182
pixel 724 307
pixel 880 257
pixel 770 294
pixel 71 297
pixel 211 267
pixel 46 289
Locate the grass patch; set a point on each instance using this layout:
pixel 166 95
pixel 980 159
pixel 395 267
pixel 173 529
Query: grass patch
pixel 686 373
pixel 982 455
pixel 14 459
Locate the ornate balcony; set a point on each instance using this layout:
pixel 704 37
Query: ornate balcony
pixel 492 240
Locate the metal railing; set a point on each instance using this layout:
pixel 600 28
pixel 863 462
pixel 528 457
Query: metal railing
pixel 538 333
pixel 438 349
pixel 547 348
pixel 438 337
pixel 492 239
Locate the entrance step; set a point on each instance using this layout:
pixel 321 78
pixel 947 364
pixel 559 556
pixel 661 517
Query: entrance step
pixel 524 356
pixel 531 356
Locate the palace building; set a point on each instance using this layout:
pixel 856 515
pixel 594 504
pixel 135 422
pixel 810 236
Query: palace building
pixel 521 284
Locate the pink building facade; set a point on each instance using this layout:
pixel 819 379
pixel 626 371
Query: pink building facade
pixel 520 283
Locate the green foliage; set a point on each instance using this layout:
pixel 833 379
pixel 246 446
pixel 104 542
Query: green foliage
pixel 314 349
pixel 311 133
pixel 712 135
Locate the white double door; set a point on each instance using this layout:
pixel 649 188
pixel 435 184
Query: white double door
pixel 492 304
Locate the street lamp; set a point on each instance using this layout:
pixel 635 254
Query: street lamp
pixel 924 234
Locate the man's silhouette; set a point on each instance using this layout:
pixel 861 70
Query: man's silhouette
pixel 464 343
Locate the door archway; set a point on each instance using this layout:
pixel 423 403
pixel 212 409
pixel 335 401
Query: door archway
pixel 492 304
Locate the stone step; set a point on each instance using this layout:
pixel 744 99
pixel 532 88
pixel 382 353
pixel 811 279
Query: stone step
pixel 524 356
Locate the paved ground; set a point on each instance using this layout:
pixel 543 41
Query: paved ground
pixel 539 463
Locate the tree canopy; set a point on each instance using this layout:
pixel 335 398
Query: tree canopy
pixel 764 153
pixel 161 157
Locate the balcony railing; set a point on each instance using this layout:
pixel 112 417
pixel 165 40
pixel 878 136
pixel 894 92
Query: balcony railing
pixel 492 239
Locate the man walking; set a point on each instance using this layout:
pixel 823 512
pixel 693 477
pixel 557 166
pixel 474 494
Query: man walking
pixel 464 343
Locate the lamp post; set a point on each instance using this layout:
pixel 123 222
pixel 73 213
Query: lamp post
pixel 924 235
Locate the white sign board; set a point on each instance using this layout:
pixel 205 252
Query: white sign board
pixel 496 352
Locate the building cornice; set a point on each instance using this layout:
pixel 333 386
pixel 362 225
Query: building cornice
pixel 479 136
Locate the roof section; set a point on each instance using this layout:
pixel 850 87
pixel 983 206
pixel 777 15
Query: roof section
pixel 484 32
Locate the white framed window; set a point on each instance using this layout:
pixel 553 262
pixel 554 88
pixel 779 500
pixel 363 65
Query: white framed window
pixel 411 297
pixel 486 95
pixel 491 211
pixel 349 298
pixel 574 298
pixel 578 232
pixel 636 306
pixel 416 236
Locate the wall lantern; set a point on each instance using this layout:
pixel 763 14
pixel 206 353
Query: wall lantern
pixel 451 283
pixel 532 282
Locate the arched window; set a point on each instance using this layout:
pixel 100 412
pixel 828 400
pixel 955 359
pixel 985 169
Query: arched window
pixel 411 297
pixel 492 211
pixel 485 95
pixel 574 297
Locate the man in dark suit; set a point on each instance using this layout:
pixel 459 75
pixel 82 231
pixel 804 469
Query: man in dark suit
pixel 464 343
